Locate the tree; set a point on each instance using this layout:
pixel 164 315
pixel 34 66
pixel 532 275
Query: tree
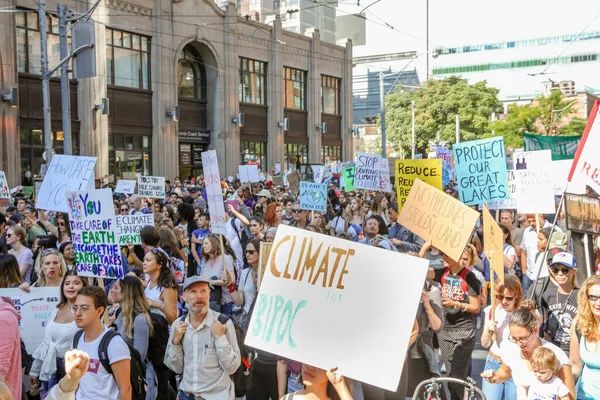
pixel 436 104
pixel 519 120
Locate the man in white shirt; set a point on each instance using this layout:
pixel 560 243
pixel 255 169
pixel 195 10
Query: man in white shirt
pixel 98 383
pixel 201 348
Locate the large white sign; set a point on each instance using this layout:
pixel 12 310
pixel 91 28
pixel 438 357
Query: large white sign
pixel 125 186
pixel 367 171
pixel 128 227
pixel 384 176
pixel 249 173
pixel 151 186
pixel 35 309
pixel 214 193
pixel 64 174
pixel 314 296
pixel 534 192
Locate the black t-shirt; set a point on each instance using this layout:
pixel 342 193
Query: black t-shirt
pixel 452 289
pixel 561 312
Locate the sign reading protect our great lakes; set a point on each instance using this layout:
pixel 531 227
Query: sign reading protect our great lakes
pixel 313 296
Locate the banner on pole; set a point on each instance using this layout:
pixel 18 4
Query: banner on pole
pixel 313 196
pixel 151 186
pixel 586 167
pixel 214 192
pixel 427 170
pixel 561 147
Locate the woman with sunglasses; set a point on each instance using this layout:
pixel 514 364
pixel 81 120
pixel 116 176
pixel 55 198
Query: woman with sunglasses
pixel 161 286
pixel 524 332
pixel 245 293
pixel 495 335
pixel 48 358
pixel 16 238
pixel 585 340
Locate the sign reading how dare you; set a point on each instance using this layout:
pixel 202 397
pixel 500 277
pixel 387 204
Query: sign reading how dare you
pixel 481 171
pixel 312 297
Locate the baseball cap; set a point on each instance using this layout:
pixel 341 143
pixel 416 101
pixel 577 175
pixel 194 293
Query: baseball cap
pixel 565 259
pixel 552 252
pixel 354 230
pixel 264 193
pixel 194 279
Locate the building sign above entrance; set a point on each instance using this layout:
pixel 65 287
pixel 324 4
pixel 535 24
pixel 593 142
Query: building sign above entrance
pixel 194 136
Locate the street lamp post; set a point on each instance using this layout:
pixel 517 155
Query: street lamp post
pixel 413 141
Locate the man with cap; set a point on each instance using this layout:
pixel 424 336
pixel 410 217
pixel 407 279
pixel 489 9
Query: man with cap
pixel 263 200
pixel 202 348
pixel 355 231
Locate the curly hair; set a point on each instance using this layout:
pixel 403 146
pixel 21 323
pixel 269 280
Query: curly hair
pixel 586 322
pixel 271 214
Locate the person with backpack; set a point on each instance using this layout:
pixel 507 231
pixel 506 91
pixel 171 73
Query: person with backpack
pixel 203 347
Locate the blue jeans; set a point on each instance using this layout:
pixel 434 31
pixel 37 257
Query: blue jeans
pixel 498 391
pixel 227 309
pixel 183 396
pixel 526 284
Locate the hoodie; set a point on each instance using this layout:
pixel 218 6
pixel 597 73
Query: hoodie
pixel 10 348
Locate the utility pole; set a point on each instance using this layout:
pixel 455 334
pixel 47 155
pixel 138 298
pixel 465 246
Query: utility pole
pixel 457 129
pixel 64 79
pixel 45 80
pixel 382 104
pixel 427 35
pixel 413 141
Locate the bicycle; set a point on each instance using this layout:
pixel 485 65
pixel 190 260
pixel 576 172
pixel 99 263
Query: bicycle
pixel 433 387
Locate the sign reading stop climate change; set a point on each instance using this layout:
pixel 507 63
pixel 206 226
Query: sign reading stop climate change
pixel 311 290
pixel 367 171
pixel 481 171
pixel 93 232
pixel 427 170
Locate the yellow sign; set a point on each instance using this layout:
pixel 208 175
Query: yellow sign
pixel 439 218
pixel 429 171
pixel 493 244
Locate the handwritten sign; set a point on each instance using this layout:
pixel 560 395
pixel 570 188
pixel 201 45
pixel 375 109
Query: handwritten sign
pixel 125 186
pixel 438 217
pixel 493 239
pixel 445 155
pixel 214 193
pixel 532 159
pixel 64 174
pixel 35 309
pixel 151 186
pixel 319 171
pixel 313 286
pixel 95 241
pixel 4 190
pixel 481 170
pixel 348 174
pixel 367 171
pixel 313 196
pixel 128 227
pixel 511 202
pixel 384 176
pixel 583 213
pixel 427 170
pixel 293 179
pixel 535 192
pixel 249 173
pixel 265 249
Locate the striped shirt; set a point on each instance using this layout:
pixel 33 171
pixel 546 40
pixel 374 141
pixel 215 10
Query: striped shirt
pixel 204 360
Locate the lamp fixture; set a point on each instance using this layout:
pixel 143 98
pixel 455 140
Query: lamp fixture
pixel 105 106
pixel 285 124
pixel 322 127
pixel 174 114
pixel 11 97
pixel 239 120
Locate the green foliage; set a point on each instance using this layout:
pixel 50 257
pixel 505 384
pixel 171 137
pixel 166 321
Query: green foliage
pixel 519 120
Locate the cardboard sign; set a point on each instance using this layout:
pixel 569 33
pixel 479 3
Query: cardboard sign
pixel 438 217
pixel 4 190
pixel 348 174
pixel 481 170
pixel 248 173
pixel 583 213
pixel 128 227
pixel 95 240
pixel 535 192
pixel 312 288
pixel 35 309
pixel 511 202
pixel 214 192
pixel 493 240
pixel 265 249
pixel 151 186
pixel 278 180
pixel 445 155
pixel 293 179
pixel 313 196
pixel 125 186
pixel 366 175
pixel 64 174
pixel 429 171
pixel 384 176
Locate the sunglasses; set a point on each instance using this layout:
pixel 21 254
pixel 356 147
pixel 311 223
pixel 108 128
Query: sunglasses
pixel 296 210
pixel 250 252
pixel 564 271
pixel 124 209
pixel 51 250
pixel 593 298
pixel 9 235
pixel 507 298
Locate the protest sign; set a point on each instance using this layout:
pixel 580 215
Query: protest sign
pixel 35 309
pixel 429 171
pixel 312 288
pixel 532 159
pixel 95 241
pixel 265 249
pixel 481 170
pixel 445 155
pixel 151 186
pixel 214 192
pixel 128 227
pixel 586 167
pixel 4 190
pixel 248 173
pixel 366 175
pixel 278 180
pixel 348 177
pixel 535 192
pixel 384 176
pixel 583 213
pixel 493 241
pixel 277 168
pixel 313 196
pixel 125 186
pixel 561 147
pixel 559 172
pixel 511 202
pixel 438 217
pixel 319 171
pixel 64 174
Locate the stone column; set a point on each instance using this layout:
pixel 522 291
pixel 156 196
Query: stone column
pixel 314 97
pixel 346 102
pixel 275 97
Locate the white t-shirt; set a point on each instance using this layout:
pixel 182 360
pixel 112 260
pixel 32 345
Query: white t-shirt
pixel 97 383
pixel 247 286
pixel 510 251
pixel 511 356
pixel 553 389
pixel 502 331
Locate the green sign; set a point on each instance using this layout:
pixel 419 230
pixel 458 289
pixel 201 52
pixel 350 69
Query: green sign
pixel 561 147
pixel 28 191
pixel 348 174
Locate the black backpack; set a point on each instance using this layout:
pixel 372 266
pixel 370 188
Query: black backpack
pixel 138 368
pixel 157 345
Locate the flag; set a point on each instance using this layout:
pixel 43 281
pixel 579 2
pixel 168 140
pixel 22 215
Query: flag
pixel 586 167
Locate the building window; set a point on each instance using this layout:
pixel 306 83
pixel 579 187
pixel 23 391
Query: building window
pixel 295 88
pixel 254 153
pixel 331 154
pixel 191 75
pixel 330 94
pixel 29 58
pixel 253 78
pixel 127 59
pixel 32 148
pixel 129 155
pixel 295 153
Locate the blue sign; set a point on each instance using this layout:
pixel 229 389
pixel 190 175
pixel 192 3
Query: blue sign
pixel 480 167
pixel 313 196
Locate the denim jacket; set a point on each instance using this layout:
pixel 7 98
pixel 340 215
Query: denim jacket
pixel 410 241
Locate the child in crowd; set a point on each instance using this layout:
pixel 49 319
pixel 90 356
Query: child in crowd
pixel 543 382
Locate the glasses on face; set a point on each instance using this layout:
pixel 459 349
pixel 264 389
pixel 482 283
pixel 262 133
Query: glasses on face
pixel 507 298
pixel 563 271
pixel 250 252
pixel 296 210
pixel 124 209
pixel 519 340
pixel 84 309
pixel 593 298
pixel 9 235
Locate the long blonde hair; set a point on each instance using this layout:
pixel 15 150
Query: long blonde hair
pixel 586 322
pixel 133 303
pixel 41 282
